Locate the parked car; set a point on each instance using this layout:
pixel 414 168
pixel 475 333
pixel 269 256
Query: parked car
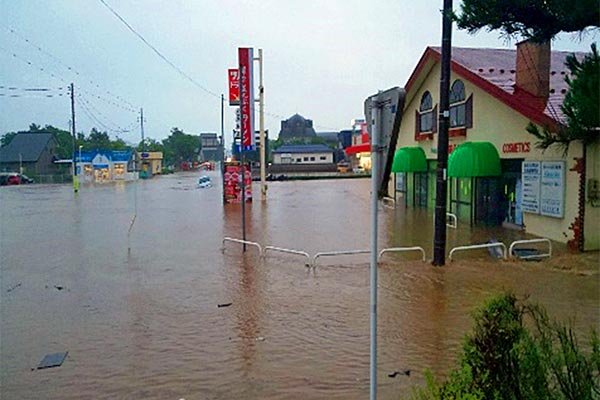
pixel 14 178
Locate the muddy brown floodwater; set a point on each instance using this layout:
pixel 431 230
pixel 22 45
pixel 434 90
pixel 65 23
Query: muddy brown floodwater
pixel 145 324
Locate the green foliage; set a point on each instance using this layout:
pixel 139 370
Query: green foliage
pixel 180 146
pixel 539 20
pixel 580 106
pixel 504 360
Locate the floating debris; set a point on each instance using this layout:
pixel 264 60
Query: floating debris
pixel 10 289
pixel 260 339
pixel 59 287
pixel 52 360
pixel 224 305
pixel 396 373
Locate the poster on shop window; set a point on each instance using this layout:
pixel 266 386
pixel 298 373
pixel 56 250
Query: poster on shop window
pixel 530 176
pixel 552 202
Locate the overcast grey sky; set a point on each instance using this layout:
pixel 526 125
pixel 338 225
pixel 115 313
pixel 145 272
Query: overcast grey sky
pixel 322 58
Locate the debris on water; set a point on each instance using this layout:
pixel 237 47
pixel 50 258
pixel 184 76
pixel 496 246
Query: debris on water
pixel 224 305
pixel 496 251
pixel 53 360
pixel 59 287
pixel 10 289
pixel 526 254
pixel 260 339
pixel 396 373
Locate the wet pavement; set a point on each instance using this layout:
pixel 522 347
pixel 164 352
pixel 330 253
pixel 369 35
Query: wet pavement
pixel 144 322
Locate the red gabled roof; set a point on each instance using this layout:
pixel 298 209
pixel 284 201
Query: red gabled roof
pixel 493 70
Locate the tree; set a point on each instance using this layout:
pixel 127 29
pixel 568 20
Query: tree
pixel 180 147
pixel 7 138
pixel 539 20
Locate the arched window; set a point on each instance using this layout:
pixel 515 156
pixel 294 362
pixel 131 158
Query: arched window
pixel 426 113
pixel 457 104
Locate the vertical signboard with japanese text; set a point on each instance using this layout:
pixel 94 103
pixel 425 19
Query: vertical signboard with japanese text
pixel 530 175
pixel 553 189
pixel 246 61
pixel 232 183
pixel 234 86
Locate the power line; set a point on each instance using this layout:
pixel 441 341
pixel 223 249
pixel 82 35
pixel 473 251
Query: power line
pixel 60 62
pixel 179 70
pixel 95 95
pixel 158 53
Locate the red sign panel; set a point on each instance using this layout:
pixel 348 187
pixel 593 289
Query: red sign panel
pixel 516 147
pixel 233 183
pixel 246 59
pixel 234 86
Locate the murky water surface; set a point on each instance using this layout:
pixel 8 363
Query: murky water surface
pixel 144 323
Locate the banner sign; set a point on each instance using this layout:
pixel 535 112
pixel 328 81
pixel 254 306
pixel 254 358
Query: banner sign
pixel 553 189
pixel 232 189
pixel 234 86
pixel 246 60
pixel 530 175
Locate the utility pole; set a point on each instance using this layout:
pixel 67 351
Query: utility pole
pixel 441 192
pixel 20 164
pixel 261 119
pixel 222 135
pixel 142 128
pixel 74 163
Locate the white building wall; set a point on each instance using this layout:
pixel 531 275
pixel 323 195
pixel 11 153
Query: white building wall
pixel 302 158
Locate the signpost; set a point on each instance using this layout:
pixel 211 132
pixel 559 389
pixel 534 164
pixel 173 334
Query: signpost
pixel 234 86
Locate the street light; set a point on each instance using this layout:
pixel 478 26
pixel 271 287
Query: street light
pixel 20 163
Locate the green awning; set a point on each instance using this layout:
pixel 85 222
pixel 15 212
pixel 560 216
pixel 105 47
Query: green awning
pixel 474 159
pixel 409 159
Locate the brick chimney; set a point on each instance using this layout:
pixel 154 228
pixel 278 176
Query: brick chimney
pixel 533 68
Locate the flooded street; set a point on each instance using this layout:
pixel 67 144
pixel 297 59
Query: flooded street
pixel 144 323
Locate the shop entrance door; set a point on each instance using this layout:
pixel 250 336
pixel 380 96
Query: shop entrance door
pixel 512 192
pixel 421 189
pixel 490 206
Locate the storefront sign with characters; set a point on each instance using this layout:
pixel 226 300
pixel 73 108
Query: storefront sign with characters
pixel 232 185
pixel 530 175
pixel 516 147
pixel 553 189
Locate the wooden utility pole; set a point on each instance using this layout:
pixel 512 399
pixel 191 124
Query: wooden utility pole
pixel 261 122
pixel 441 192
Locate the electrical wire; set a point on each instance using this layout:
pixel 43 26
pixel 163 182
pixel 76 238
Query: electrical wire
pixel 60 62
pixel 179 70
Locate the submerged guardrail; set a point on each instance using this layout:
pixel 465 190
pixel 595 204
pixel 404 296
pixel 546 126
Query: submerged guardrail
pixel 288 251
pixel 402 250
pixel 528 241
pixel 479 246
pixel 337 253
pixel 248 242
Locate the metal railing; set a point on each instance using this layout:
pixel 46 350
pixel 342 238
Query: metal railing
pixel 479 246
pixel 288 251
pixel 402 250
pixel 387 199
pixel 452 218
pixel 528 241
pixel 337 253
pixel 234 240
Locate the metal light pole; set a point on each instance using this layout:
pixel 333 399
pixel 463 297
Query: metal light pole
pixel 441 191
pixel 375 150
pixel 74 163
pixel 261 122
pixel 21 163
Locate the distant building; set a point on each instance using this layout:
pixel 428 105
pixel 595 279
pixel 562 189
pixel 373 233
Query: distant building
pixel 297 128
pixel 105 165
pixel 303 158
pixel 211 148
pixel 35 152
pixel 149 163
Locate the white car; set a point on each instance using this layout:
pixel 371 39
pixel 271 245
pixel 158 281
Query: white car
pixel 204 182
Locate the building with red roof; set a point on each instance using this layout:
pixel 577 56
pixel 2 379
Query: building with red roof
pixel 496 174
